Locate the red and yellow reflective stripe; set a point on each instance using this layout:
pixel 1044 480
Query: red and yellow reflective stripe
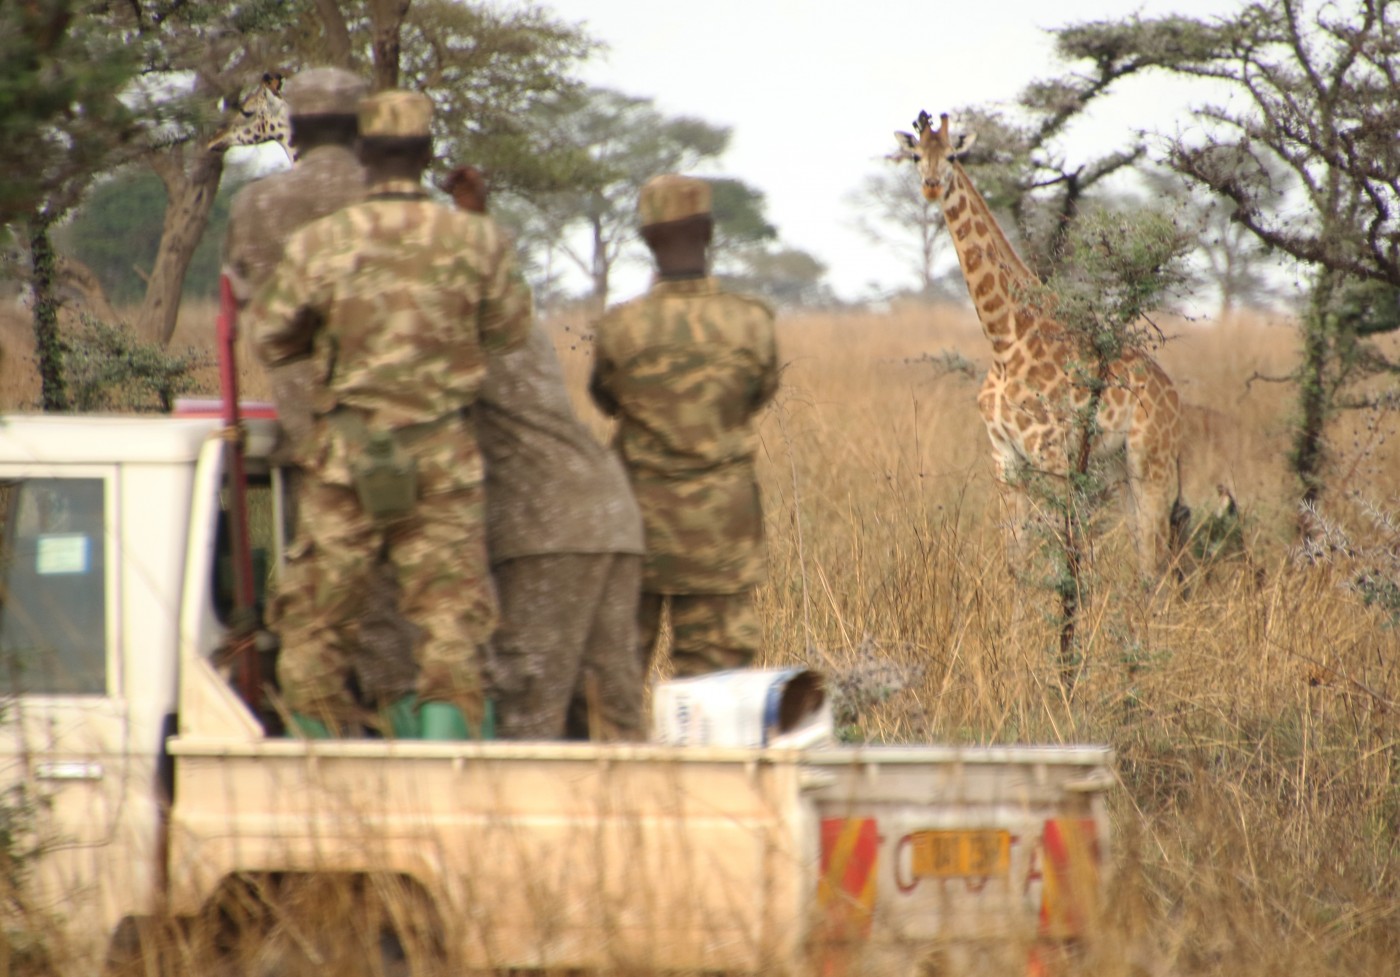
pixel 1070 893
pixel 850 856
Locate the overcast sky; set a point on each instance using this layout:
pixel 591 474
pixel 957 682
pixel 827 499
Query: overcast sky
pixel 814 90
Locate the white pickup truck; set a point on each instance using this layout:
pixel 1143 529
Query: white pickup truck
pixel 162 828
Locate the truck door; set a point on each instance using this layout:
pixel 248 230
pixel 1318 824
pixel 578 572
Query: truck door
pixel 67 785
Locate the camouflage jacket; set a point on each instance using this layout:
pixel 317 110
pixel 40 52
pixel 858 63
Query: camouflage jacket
pixel 397 300
pixel 685 368
pixel 266 212
pixel 551 487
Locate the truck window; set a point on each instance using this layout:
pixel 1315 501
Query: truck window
pixel 261 527
pixel 53 593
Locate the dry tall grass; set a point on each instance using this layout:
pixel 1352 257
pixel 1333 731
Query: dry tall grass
pixel 1255 717
pixel 1254 711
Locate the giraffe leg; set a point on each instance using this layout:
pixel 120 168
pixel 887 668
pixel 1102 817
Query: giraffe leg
pixel 1017 515
pixel 1020 552
pixel 1020 533
pixel 1150 494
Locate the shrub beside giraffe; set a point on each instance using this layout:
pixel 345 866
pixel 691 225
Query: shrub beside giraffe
pixel 1030 397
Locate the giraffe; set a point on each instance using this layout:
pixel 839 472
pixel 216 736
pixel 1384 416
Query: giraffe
pixel 263 117
pixel 1029 398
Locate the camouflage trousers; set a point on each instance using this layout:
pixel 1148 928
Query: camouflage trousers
pixel 709 632
pixel 562 662
pixel 437 555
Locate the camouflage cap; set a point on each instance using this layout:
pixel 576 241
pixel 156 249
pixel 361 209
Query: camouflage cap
pixel 396 113
pixel 324 91
pixel 671 197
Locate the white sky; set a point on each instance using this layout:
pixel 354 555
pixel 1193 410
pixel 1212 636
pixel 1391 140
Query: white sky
pixel 814 90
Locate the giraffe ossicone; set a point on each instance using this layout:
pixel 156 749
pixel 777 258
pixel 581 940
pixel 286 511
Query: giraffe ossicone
pixel 1030 398
pixel 262 117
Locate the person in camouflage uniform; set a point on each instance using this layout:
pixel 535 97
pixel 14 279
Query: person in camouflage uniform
pixel 326 177
pixel 685 368
pixel 565 541
pixel 397 300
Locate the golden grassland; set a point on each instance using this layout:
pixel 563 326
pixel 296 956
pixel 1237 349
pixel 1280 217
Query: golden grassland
pixel 1255 710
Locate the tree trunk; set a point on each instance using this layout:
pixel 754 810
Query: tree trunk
pixel 386 18
pixel 1072 585
pixel 336 33
pixel 1309 446
pixel 601 267
pixel 190 187
pixel 48 345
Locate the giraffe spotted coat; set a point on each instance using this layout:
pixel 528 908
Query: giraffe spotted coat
pixel 1029 398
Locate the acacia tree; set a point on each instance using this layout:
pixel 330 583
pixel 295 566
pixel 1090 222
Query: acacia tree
pixel 747 254
pixel 1233 261
pixel 612 143
pixel 1321 86
pixel 741 223
pixel 1117 270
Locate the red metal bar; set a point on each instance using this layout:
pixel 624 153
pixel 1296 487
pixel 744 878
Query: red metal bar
pixel 243 620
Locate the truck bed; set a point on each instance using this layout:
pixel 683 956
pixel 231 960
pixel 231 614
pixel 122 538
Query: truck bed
pixel 633 856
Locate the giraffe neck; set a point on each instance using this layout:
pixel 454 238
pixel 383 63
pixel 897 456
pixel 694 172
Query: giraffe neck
pixel 990 265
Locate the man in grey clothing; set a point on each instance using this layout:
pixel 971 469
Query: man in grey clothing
pixel 564 537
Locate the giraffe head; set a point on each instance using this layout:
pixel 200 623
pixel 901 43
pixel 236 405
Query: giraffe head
pixel 933 151
pixel 263 117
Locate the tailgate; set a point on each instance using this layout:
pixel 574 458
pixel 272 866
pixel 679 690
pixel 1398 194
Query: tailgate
pixel 949 856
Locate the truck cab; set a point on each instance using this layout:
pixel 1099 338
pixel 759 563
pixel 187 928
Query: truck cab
pixel 115 567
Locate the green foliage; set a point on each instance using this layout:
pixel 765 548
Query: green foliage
pixel 493 73
pixel 1342 315
pixel 740 221
pixel 745 252
pixel 613 143
pixel 48 345
pixel 187 63
pixel 609 144
pixel 1120 48
pixel 1368 307
pixel 110 369
pixel 1118 269
pixel 117 233
pixel 60 75
pixel 1218 537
